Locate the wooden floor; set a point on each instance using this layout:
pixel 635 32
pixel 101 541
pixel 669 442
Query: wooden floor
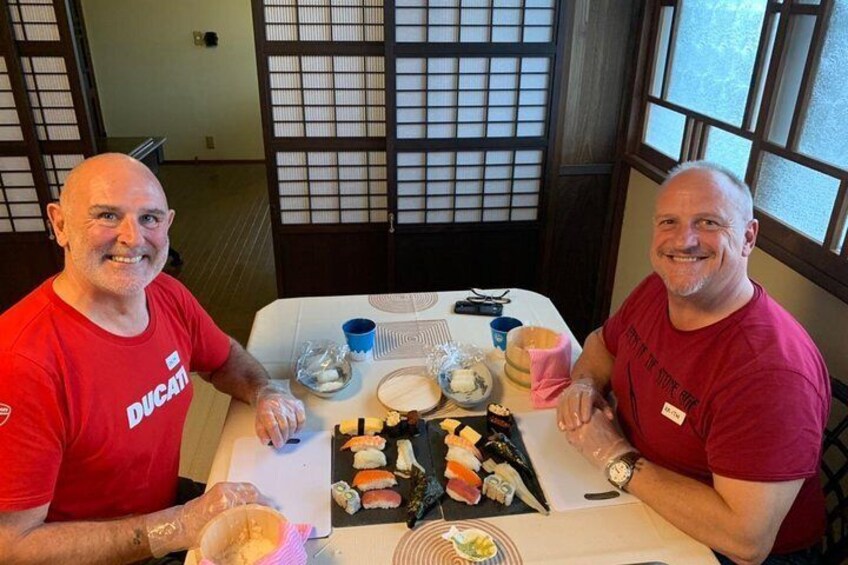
pixel 223 234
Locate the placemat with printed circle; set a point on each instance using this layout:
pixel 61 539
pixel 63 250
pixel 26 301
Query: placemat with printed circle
pixel 408 340
pixel 403 303
pixel 425 546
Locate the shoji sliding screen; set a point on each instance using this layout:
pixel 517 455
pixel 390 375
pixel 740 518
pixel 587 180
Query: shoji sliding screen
pixel 407 142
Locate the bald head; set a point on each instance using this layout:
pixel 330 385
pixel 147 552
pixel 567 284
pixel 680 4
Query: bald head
pixel 108 170
pixel 714 176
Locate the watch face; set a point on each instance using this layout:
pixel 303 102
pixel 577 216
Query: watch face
pixel 619 472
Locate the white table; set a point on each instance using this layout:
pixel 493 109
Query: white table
pixel 630 533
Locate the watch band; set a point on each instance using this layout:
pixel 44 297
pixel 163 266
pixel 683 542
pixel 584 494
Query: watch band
pixel 630 458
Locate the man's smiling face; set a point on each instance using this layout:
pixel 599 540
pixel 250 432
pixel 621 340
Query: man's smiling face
pixel 114 224
pixel 702 235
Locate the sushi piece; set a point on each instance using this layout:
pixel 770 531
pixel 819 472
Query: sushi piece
pixel 452 440
pixel 406 458
pixel 360 443
pixel 372 479
pixel 369 459
pixel 499 418
pixel 498 489
pixel 346 497
pixel 463 380
pixel 463 457
pixel 396 425
pixel 461 491
pixel 412 423
pixel 426 492
pixel 503 448
pixel 509 474
pixel 454 470
pixel 383 498
pixel 361 426
pixel 456 427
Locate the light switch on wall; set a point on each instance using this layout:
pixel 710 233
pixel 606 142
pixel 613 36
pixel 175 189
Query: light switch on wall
pixel 198 37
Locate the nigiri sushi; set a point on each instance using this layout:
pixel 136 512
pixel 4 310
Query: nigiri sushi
pixel 359 443
pixel 361 427
pixel 498 489
pixel 454 470
pixel 461 491
pixel 456 427
pixel 372 479
pixel 452 440
pixel 406 457
pixel 383 498
pixel 345 497
pixel 463 457
pixel 369 459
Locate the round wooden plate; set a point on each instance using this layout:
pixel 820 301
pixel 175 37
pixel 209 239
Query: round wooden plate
pixel 407 389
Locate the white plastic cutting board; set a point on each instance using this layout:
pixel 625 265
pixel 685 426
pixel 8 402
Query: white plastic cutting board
pixel 565 475
pixel 296 477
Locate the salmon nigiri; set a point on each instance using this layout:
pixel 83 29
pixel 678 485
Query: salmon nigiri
pixel 372 479
pixel 455 470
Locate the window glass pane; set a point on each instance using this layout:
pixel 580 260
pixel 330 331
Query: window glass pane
pixel 714 54
pixel 794 58
pixel 825 131
pixel 664 130
pixel 796 195
pixel 728 150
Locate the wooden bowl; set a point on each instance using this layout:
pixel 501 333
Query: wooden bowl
pixel 517 376
pixel 236 526
pixel 522 338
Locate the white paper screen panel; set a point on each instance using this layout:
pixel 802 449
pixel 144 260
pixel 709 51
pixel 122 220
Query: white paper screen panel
pixel 34 20
pixel 475 21
pixel 472 97
pixel 50 97
pixel 10 125
pixel 324 20
pixel 332 187
pixel 327 96
pixel 57 168
pixel 19 207
pixel 469 186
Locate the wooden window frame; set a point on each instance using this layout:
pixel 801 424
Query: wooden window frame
pixel 818 262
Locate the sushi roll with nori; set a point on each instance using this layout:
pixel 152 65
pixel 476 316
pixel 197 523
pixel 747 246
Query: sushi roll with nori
pixel 499 418
pixel 426 492
pixel 498 489
pixel 346 497
pixel 395 424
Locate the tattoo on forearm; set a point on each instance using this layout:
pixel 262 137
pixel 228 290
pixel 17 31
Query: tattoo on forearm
pixel 138 537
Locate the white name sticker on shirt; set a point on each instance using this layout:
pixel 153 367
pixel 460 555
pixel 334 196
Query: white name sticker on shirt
pixel 173 360
pixel 673 413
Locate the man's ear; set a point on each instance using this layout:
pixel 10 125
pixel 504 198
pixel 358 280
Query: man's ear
pixel 171 214
pixel 57 220
pixel 751 231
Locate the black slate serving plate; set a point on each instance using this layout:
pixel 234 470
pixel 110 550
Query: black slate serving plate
pixel 454 510
pixel 342 470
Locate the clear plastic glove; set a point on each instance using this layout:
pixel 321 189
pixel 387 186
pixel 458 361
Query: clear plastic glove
pixel 598 440
pixel 279 415
pixel 179 527
pixel 577 402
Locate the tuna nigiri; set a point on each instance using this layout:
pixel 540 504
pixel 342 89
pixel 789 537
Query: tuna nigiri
pixel 454 470
pixel 461 491
pixel 372 479
pixel 452 440
pixel 361 443
pixel 383 498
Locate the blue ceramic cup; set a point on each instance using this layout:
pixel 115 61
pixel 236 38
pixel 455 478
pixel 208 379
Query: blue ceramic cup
pixel 359 333
pixel 500 327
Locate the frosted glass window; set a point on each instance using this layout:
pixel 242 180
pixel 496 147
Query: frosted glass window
pixel 34 20
pixel 324 20
pixel 728 150
pixel 714 53
pixel 472 97
pixel 469 186
pixel 825 130
pixel 795 57
pixel 796 195
pixel 53 111
pixel 326 187
pixel 664 130
pixel 327 96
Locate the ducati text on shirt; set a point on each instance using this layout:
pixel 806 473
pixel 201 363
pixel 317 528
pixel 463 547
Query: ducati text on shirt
pixel 161 393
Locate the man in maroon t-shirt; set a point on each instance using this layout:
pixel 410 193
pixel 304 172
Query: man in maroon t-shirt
pixel 80 408
pixel 722 397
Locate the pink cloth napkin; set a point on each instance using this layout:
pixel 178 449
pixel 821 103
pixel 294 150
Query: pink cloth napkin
pixel 550 372
pixel 290 551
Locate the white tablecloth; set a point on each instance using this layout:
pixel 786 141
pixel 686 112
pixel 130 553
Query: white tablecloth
pixel 629 533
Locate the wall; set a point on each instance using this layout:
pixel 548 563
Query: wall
pixel 153 80
pixel 823 315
